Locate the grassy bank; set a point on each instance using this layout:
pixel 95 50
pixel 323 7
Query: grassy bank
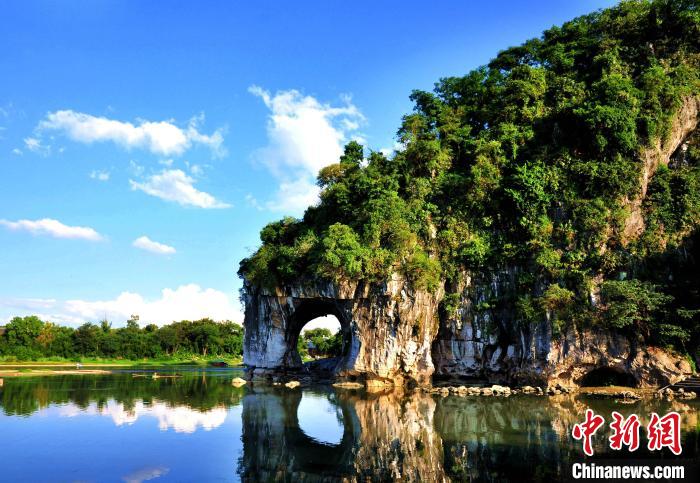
pixel 26 372
pixel 117 362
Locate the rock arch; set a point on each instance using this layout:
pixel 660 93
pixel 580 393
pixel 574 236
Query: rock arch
pixel 390 334
pixel 308 309
pixel 387 329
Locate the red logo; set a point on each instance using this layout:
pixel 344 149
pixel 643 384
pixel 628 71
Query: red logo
pixel 662 432
pixel 587 429
pixel 665 432
pixel 625 432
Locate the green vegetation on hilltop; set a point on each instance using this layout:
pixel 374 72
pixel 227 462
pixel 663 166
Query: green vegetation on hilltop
pixel 31 339
pixel 532 161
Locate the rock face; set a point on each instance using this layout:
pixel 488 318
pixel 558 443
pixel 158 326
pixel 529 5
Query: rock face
pixel 486 341
pixel 387 329
pixel 685 122
pixel 481 339
pixel 393 335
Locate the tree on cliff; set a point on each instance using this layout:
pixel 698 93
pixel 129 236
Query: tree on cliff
pixel 537 161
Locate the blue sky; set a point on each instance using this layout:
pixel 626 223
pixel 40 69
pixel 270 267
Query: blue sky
pixel 144 144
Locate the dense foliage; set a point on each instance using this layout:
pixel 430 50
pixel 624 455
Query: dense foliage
pixel 530 162
pixel 29 338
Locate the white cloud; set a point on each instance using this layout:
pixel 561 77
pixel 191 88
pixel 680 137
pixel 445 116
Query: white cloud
pixel 253 201
pixel 294 195
pixel 187 302
pixel 135 168
pixel 145 243
pixel 34 145
pixel 99 175
pixel 53 228
pixel 181 419
pixel 159 137
pixel 329 322
pixel 175 185
pixel 304 135
pixel 17 152
pixel 388 152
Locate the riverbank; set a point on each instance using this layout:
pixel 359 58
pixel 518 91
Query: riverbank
pixel 48 372
pixel 99 366
pixel 100 362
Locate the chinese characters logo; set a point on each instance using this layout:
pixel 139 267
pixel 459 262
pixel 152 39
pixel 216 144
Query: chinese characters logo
pixel 662 432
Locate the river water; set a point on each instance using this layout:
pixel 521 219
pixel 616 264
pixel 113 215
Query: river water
pixel 198 428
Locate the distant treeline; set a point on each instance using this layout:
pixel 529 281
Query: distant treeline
pixel 30 338
pixel 319 343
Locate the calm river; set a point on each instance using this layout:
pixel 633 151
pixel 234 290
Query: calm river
pixel 199 428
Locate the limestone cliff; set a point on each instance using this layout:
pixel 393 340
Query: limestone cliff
pixel 489 342
pixel 395 335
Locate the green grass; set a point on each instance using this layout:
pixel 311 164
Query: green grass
pixel 99 361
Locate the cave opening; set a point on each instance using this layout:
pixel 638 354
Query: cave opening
pixel 320 338
pixel 608 376
pixel 320 335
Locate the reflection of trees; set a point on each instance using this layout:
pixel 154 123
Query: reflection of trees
pixel 24 396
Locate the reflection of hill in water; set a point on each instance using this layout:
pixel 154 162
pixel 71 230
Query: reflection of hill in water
pixel 392 436
pixel 419 438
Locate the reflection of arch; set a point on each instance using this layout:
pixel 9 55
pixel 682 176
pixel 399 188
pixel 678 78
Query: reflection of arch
pixel 320 417
pixel 273 442
pixel 608 376
pixel 318 457
pixel 386 437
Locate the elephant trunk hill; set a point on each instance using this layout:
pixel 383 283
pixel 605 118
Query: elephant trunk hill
pixel 539 223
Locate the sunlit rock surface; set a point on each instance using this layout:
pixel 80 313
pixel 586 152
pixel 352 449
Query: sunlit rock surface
pixel 393 335
pixel 487 341
pixel 387 329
